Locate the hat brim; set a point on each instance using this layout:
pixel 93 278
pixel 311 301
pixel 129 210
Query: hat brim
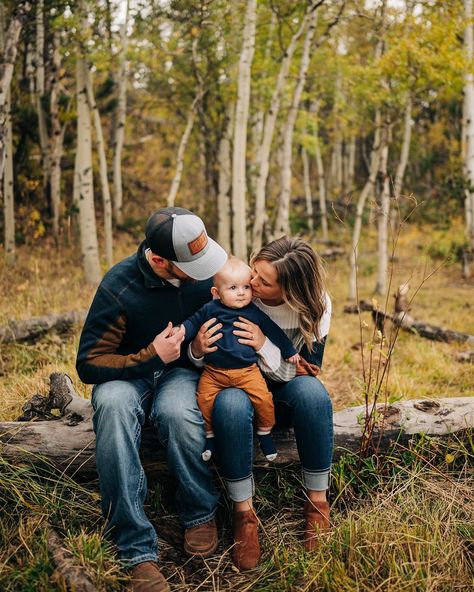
pixel 207 265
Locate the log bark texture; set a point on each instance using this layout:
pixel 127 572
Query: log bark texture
pixel 36 326
pixel 67 442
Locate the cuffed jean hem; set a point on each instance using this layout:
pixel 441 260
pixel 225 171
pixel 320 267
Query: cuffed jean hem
pixel 316 481
pixel 199 521
pixel 240 490
pixel 132 561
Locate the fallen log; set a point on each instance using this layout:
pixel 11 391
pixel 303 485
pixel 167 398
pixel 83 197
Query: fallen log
pixel 37 326
pixel 409 323
pixel 467 356
pixel 67 570
pixel 67 442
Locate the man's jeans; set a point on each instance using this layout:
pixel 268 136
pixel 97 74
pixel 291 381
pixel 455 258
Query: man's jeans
pixel 302 402
pixel 168 402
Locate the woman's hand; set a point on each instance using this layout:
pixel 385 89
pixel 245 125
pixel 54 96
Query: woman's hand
pixel 249 333
pixel 202 343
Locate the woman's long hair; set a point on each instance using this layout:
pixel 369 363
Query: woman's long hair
pixel 301 278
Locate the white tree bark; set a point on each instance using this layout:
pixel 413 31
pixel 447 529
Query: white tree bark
pixel 30 71
pixel 239 214
pixel 469 122
pixel 321 179
pixel 383 212
pixel 336 179
pixel 349 172
pixel 282 225
pixel 403 162
pixel 307 189
pixel 119 132
pixel 268 131
pixel 173 192
pixel 104 181
pixel 40 93
pixel 83 181
pixel 225 182
pixel 57 137
pixel 8 193
pixel 258 119
pixel 364 194
pixel 12 36
pixel 405 151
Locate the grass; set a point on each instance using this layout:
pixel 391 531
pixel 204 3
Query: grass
pixel 402 522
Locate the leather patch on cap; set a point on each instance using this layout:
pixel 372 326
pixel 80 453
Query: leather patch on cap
pixel 198 243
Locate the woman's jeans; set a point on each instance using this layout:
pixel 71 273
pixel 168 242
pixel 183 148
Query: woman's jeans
pixel 302 402
pixel 168 403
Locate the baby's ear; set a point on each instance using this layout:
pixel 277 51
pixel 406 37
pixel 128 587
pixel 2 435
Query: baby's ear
pixel 215 293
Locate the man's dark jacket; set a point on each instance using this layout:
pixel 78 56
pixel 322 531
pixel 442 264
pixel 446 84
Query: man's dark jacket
pixel 132 305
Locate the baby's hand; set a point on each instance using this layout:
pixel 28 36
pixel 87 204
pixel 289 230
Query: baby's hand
pixel 294 359
pixel 175 330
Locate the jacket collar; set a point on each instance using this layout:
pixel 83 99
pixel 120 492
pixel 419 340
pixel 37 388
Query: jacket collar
pixel 149 276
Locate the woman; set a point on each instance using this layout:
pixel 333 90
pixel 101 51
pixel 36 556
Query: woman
pixel 288 285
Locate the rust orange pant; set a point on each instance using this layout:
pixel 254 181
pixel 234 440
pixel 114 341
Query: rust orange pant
pixel 249 379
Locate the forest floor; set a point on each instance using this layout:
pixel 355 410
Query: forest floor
pixel 405 522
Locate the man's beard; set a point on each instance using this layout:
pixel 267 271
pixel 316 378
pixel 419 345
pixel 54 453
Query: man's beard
pixel 171 267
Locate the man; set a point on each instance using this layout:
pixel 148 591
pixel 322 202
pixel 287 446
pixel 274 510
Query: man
pixel 132 352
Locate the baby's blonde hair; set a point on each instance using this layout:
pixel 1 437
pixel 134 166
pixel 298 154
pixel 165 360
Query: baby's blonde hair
pixel 230 266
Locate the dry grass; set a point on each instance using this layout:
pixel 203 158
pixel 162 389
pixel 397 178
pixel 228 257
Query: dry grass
pixel 400 526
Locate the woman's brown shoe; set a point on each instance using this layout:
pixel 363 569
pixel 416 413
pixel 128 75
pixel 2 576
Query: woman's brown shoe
pixel 317 520
pixel 246 552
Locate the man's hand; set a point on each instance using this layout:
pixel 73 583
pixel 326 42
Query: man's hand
pixel 167 344
pixel 202 343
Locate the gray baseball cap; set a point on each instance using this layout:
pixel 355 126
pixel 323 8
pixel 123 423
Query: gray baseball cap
pixel 180 236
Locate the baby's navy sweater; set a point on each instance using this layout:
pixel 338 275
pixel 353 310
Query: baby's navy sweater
pixel 230 353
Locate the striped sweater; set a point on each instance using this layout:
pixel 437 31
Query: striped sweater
pixel 270 361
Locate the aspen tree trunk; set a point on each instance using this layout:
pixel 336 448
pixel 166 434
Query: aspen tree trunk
pixel 258 120
pixel 40 93
pixel 307 189
pixel 268 131
pixel 225 175
pixel 349 177
pixel 119 132
pixel 104 181
pixel 337 153
pixel 83 181
pixel 321 179
pixel 30 71
pixel 173 192
pixel 17 20
pixel 375 156
pixel 8 193
pixel 239 215
pixel 402 165
pixel 57 137
pixel 469 123
pixel 364 194
pixel 383 207
pixel 282 225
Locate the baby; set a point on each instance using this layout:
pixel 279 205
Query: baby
pixel 234 364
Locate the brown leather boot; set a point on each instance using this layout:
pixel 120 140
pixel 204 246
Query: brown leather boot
pixel 317 520
pixel 246 552
pixel 201 540
pixel 147 577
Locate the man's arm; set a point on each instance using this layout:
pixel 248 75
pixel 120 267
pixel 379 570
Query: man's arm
pixel 98 359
